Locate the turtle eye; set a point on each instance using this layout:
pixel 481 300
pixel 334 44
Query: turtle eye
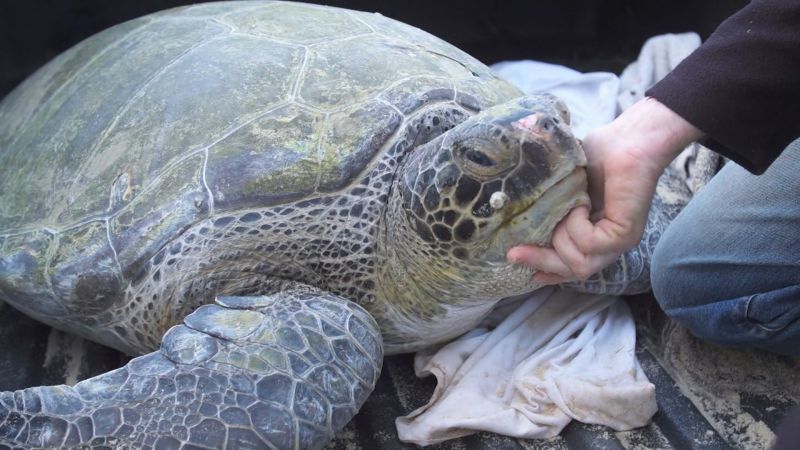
pixel 483 158
pixel 478 157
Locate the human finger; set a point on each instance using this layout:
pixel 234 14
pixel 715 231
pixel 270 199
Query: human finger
pixel 539 259
pixel 580 264
pixel 606 235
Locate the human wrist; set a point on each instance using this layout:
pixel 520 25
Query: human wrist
pixel 649 127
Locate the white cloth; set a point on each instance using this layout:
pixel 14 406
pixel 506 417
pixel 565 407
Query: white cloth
pixel 556 355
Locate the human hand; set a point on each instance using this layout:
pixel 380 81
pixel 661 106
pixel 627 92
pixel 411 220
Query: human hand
pixel 625 159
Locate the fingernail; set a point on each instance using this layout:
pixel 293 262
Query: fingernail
pixel 512 257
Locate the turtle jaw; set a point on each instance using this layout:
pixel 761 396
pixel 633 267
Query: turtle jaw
pixel 535 224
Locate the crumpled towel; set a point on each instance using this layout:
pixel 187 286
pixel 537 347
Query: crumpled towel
pixel 558 356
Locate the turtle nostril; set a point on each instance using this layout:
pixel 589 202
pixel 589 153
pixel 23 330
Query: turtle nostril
pixel 478 157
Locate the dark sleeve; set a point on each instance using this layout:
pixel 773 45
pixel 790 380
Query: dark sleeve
pixel 742 86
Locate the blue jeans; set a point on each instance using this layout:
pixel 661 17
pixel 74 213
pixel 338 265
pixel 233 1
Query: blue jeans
pixel 728 266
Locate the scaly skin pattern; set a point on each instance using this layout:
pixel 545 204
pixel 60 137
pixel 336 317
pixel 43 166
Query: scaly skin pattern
pixel 245 373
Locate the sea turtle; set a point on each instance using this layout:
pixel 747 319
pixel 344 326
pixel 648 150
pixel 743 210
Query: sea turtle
pixel 262 199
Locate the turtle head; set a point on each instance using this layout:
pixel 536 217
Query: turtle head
pixel 504 177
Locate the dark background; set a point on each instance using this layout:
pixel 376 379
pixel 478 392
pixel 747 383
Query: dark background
pixel 583 34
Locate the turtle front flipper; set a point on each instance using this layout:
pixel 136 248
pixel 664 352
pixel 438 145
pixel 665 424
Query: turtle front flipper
pixel 281 371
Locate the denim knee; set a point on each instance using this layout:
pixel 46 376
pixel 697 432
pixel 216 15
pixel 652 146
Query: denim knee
pixel 726 267
pixel 668 280
pixel 672 290
pixel 769 319
pixel 688 295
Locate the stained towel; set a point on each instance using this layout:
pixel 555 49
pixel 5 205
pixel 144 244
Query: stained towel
pixel 558 356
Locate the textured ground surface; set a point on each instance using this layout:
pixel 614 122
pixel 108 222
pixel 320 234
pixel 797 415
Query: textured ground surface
pixel 709 397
